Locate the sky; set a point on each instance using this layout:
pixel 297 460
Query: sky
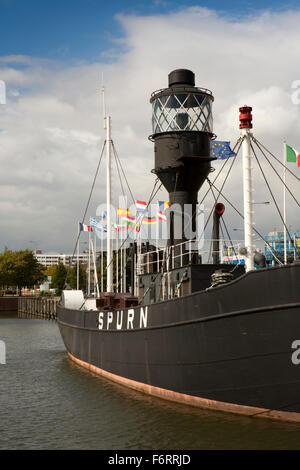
pixel 53 55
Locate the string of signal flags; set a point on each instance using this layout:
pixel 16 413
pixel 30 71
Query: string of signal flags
pixel 220 150
pixel 127 220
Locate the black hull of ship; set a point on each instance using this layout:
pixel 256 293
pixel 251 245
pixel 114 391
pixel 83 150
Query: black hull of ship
pixel 231 347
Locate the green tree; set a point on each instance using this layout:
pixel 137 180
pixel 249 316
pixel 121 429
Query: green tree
pixel 20 269
pixel 50 270
pixel 59 278
pixel 6 268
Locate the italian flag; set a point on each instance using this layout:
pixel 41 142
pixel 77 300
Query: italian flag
pixel 292 155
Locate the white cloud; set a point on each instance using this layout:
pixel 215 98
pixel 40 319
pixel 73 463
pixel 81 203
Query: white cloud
pixel 53 124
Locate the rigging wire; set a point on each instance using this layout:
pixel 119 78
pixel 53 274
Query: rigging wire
pixel 117 157
pixel 227 232
pixel 168 259
pixel 259 143
pixel 117 230
pixel 87 204
pixel 223 221
pixel 286 187
pixel 119 166
pixel 256 231
pixel 118 170
pixel 94 181
pixel 140 217
pixel 211 185
pixel 272 195
pixel 239 141
pixel 219 192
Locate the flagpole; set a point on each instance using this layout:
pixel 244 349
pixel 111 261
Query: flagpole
pixel 117 261
pixel 96 284
pixel 121 263
pixel 125 262
pixel 95 265
pixel 101 248
pixel 157 235
pixel 284 202
pixel 78 242
pixel 89 264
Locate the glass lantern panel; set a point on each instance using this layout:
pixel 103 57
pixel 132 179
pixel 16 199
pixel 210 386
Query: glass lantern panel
pixel 184 111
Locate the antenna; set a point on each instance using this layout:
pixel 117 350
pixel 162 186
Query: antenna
pixel 109 248
pixel 103 101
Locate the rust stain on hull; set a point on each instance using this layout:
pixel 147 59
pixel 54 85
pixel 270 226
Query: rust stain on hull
pixel 199 402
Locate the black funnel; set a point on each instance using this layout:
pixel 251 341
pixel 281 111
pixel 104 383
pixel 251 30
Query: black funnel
pixel 181 77
pixel 182 131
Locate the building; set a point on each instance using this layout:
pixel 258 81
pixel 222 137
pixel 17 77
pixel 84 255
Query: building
pixel 276 242
pixel 51 259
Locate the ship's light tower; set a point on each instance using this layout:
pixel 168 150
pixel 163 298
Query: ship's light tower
pixel 246 126
pixel 182 126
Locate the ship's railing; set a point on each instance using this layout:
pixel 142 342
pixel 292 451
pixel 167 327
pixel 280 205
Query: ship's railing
pixel 187 252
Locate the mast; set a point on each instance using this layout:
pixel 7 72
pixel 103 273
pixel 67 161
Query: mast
pixel 89 265
pixel 109 250
pixel 245 126
pixel 78 244
pixel 109 284
pixel 101 269
pixel 284 203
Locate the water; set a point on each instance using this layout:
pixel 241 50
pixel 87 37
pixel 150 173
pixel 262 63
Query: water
pixel 48 402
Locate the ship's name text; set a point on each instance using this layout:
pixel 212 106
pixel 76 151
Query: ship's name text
pixel 120 320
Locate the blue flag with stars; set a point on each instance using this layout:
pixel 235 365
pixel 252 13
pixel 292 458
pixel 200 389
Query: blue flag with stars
pixel 221 150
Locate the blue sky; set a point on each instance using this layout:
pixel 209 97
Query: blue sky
pixel 52 122
pixel 83 29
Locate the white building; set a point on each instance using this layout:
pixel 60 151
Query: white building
pixel 50 259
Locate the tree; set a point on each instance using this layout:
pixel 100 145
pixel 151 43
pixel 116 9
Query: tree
pixel 27 270
pixel 6 268
pixel 59 278
pixel 50 270
pixel 21 269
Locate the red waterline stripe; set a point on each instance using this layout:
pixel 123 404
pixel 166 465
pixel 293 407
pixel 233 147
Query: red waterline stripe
pixel 182 398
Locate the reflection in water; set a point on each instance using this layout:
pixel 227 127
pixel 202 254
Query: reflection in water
pixel 49 402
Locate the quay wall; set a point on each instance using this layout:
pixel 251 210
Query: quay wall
pixel 8 304
pixel 39 307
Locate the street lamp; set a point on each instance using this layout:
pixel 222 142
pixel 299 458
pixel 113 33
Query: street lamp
pixel 265 202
